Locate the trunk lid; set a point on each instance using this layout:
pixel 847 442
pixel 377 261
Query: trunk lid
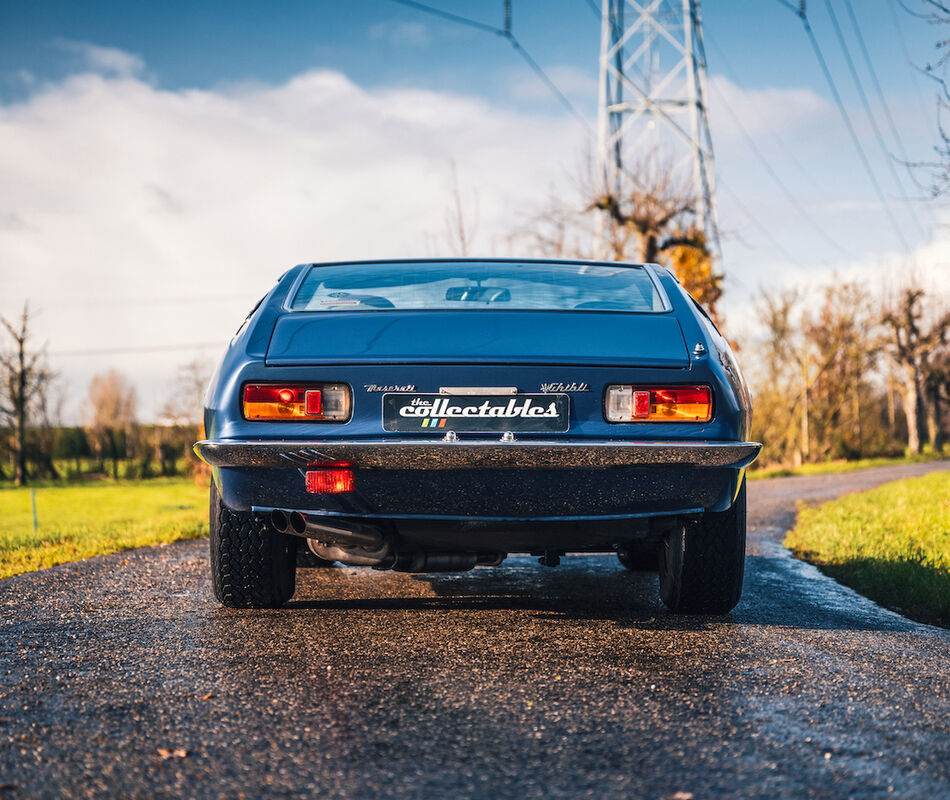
pixel 478 337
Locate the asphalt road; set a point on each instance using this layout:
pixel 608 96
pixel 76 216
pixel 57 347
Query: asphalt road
pixel 119 676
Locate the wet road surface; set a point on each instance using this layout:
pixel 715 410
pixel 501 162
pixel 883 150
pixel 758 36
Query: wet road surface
pixel 119 676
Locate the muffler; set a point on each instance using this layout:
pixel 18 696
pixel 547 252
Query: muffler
pixel 363 546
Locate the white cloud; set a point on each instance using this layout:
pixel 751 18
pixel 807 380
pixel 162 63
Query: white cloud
pixel 410 34
pixel 782 111
pixel 121 200
pixel 573 82
pixel 105 60
pixel 136 217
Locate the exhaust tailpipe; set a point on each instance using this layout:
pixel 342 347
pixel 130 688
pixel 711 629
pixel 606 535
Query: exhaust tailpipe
pixel 349 534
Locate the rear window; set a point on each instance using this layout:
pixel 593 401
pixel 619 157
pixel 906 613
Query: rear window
pixel 477 285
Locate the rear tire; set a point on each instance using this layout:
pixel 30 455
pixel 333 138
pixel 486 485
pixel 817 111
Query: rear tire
pixel 702 563
pixel 252 565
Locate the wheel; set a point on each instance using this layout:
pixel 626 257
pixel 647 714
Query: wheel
pixel 702 562
pixel 639 559
pixel 252 565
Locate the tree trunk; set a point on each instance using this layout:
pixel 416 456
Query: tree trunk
pixel 49 465
pixel 648 248
pixel 19 476
pixel 114 452
pixel 934 431
pixel 910 397
pixel 805 436
pixel 891 411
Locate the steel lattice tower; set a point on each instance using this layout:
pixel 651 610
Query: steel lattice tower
pixel 653 100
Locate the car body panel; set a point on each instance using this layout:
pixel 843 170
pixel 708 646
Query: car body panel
pixel 507 499
pixel 478 337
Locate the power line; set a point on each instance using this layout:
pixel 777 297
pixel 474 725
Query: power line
pixel 888 158
pixel 731 71
pixel 438 12
pixel 869 63
pixel 914 70
pixel 81 306
pixel 792 7
pixel 819 55
pixel 504 33
pixel 763 229
pixel 925 115
pixel 111 351
pixel 778 181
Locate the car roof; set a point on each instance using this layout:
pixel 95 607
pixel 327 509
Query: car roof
pixel 452 260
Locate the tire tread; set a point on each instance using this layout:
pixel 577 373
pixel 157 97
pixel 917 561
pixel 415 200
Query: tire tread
pixel 714 562
pixel 252 565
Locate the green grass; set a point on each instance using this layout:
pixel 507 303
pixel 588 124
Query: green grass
pixel 835 467
pixel 891 544
pixel 82 520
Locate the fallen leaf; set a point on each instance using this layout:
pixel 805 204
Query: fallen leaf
pixel 206 696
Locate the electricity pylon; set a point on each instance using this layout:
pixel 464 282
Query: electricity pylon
pixel 652 103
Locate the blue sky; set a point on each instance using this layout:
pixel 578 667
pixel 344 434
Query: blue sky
pixel 159 156
pixel 378 42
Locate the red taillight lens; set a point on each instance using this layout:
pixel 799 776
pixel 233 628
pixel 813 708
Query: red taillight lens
pixel 330 480
pixel 641 404
pixel 313 402
pixel 627 403
pixel 326 402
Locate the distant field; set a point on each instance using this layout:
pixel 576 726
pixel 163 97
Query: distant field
pixel 892 544
pixel 88 519
pixel 834 467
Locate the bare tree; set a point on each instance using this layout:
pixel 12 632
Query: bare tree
pixel 25 377
pixel 109 414
pixel 559 230
pixel 654 221
pixel 180 418
pixel 813 387
pixel 937 13
pixel 461 225
pixel 653 217
pixel 936 385
pixel 917 350
pixel 185 403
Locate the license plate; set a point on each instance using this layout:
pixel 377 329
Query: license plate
pixel 535 413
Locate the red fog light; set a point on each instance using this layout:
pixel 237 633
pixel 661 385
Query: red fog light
pixel 329 481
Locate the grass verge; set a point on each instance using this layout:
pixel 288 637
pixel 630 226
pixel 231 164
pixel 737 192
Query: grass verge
pixel 83 520
pixel 835 467
pixel 891 544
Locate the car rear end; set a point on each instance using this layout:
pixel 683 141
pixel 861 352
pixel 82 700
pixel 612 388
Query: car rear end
pixel 602 409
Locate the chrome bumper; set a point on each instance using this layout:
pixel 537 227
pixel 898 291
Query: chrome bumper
pixel 463 454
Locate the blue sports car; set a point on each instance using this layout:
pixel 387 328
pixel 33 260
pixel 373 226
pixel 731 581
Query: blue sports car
pixel 436 415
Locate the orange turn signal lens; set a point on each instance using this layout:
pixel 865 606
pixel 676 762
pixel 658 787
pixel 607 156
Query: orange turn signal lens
pixel 322 402
pixel 627 403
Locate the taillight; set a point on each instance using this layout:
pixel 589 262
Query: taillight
pixel 330 480
pixel 627 403
pixel 316 402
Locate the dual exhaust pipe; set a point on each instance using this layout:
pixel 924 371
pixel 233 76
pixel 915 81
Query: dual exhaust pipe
pixel 353 535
